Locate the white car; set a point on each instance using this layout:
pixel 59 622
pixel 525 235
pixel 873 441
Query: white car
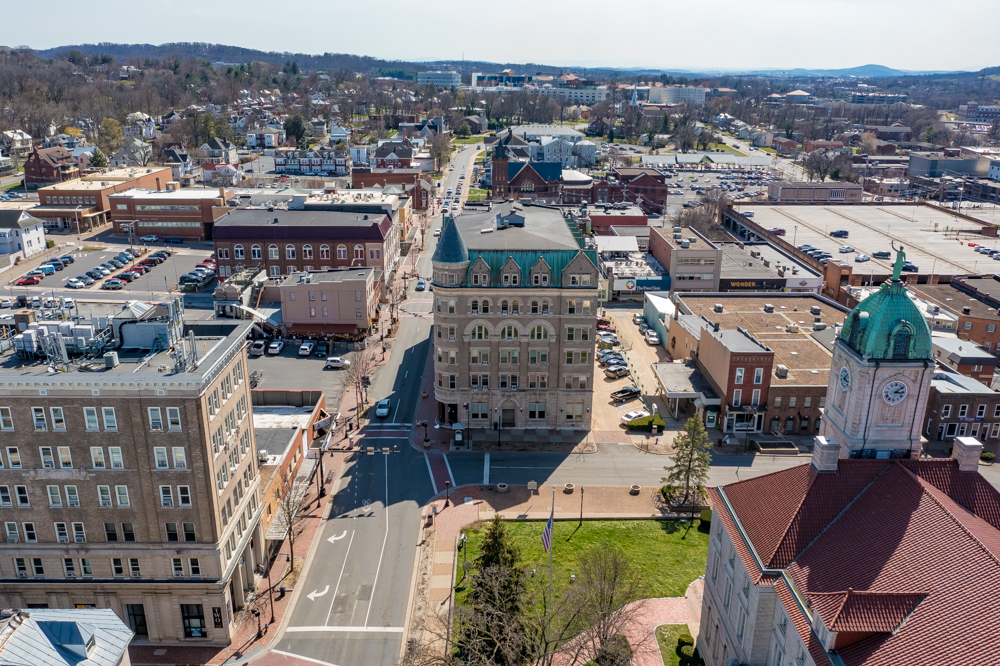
pixel 102 270
pixel 68 303
pixel 275 347
pixel 652 338
pixel 73 283
pixel 437 232
pixel 382 409
pixel 846 249
pixel 336 362
pixel 306 348
pixel 5 303
pixel 861 257
pixel 610 338
pixel 632 416
pixel 149 239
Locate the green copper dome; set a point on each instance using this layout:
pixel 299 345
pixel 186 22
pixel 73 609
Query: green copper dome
pixel 451 247
pixel 888 326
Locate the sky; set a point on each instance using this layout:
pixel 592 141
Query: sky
pixel 662 34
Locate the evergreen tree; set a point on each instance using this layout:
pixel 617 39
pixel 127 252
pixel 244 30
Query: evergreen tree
pixel 611 135
pixel 691 461
pixel 98 160
pixel 498 549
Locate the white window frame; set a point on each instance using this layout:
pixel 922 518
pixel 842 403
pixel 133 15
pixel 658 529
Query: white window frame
pixel 110 418
pixel 121 492
pixel 90 419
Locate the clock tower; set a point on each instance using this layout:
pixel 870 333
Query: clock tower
pixel 880 376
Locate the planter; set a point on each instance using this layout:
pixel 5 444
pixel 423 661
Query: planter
pixel 568 488
pixel 424 394
pixel 427 443
pixel 502 487
pixel 634 489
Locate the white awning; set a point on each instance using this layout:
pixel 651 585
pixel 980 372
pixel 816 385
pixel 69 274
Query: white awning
pixel 617 244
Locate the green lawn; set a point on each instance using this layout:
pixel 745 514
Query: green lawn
pixel 15 185
pixel 726 148
pixel 667 554
pixel 468 140
pixel 477 195
pixel 769 150
pixel 666 638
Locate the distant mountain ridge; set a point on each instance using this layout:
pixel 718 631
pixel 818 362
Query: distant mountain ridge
pixel 216 53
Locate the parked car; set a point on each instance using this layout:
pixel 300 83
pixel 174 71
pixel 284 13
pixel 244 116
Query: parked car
pixel 275 347
pixel 140 269
pixel 909 267
pixel 67 258
pixel 56 264
pixel 839 233
pixel 652 338
pixel 336 362
pixel 616 372
pixel 382 409
pixel 882 254
pixel 257 348
pixel 94 274
pixel 173 241
pixel 421 285
pixel 777 231
pixel 610 338
pixel 306 348
pixel 638 319
pixel 74 283
pixel 861 258
pixel 628 417
pixel 28 280
pixel 845 249
pixel 113 283
pixel 5 303
pixel 68 303
pixel 437 232
pixel 127 276
pixel 149 239
pixel 625 394
pixel 322 349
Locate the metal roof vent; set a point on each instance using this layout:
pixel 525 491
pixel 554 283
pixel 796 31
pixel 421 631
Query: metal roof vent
pixel 966 310
pixel 768 307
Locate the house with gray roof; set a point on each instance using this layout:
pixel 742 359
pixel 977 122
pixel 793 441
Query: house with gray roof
pixel 63 637
pixel 21 234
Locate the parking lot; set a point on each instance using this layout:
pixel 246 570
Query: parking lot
pixel 934 240
pixel 289 371
pixel 159 279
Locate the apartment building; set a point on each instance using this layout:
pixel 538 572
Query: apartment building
pixel 46 166
pixel 960 406
pixel 965 357
pixel 130 481
pixel 82 204
pixel 292 241
pixel 692 266
pixel 338 300
pixel 969 300
pixel 439 79
pixel 187 213
pixel 515 299
pixel 678 95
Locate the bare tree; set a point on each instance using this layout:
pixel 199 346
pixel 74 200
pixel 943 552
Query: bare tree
pixel 869 144
pixel 291 495
pixel 818 164
pixel 440 149
pixel 358 375
pixel 397 294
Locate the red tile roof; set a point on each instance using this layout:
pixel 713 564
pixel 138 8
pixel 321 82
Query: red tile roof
pixel 801 624
pixel 907 550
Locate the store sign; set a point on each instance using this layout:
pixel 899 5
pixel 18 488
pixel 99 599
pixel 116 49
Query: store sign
pixel 660 283
pixel 217 616
pixel 743 284
pixel 322 423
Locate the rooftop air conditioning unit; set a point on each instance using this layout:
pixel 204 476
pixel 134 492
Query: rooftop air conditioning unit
pixel 781 371
pixel 791 328
pixel 937 308
pixel 814 310
pixel 111 359
pixel 685 244
pixel 717 307
pixel 819 326
pixel 768 307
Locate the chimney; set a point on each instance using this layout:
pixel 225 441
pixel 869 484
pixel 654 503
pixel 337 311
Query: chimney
pixel 826 451
pixel 966 450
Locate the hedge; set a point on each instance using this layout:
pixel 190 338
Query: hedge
pixel 646 423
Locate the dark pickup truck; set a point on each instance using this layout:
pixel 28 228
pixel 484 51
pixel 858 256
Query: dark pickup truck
pixel 625 394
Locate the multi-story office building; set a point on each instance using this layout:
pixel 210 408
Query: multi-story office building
pixel 440 79
pixel 677 95
pixel 80 204
pixel 187 213
pixel 130 481
pixel 515 299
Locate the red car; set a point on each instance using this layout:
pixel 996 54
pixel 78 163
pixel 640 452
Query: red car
pixel 29 280
pixel 777 232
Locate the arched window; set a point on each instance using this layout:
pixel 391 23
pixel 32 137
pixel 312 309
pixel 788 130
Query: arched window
pixel 255 252
pixel 475 307
pixel 486 306
pixel 480 333
pixel 324 251
pixel 508 333
pixel 504 307
pixel 272 251
pixel 539 333
pixel 901 342
pixel 515 308
pixel 359 252
pixel 289 252
pixel 238 252
pixel 534 307
pixel 307 251
pixel 341 252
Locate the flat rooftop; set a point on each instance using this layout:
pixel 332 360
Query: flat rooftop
pixel 952 382
pixel 371 197
pixel 332 275
pixel 806 358
pixel 167 195
pixel 929 235
pixel 680 380
pixel 737 263
pixel 109 178
pixel 261 217
pixel 956 299
pixel 544 229
pixel 636 264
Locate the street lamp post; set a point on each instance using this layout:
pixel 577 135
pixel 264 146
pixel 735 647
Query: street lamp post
pixel 270 594
pixel 580 524
pixel 447 493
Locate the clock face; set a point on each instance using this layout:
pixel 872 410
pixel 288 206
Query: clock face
pixel 894 392
pixel 845 378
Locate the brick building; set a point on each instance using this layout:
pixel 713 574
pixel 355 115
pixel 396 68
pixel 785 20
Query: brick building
pixel 84 203
pixel 960 406
pixel 602 218
pixel 188 213
pixel 46 166
pixel 291 241
pixel 131 482
pixel 965 357
pixel 335 301
pixel 420 190
pixel 969 299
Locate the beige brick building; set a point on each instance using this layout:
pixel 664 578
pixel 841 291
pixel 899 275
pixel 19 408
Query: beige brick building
pixel 341 300
pixel 131 482
pixel 515 304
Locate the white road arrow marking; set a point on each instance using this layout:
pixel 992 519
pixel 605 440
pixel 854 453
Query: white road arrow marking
pixel 337 538
pixel 316 593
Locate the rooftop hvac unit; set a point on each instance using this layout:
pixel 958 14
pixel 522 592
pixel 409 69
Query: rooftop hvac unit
pixel 814 310
pixel 111 359
pixel 717 307
pixel 692 239
pixel 768 307
pixel 678 230
pixel 685 244
pixel 791 328
pixel 781 371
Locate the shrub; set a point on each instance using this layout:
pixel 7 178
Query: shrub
pixel 706 517
pixel 685 639
pixel 647 423
pixel 987 456
pixel 687 651
pixel 668 492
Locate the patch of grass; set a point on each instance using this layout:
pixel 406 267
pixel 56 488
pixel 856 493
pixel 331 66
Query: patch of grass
pixel 725 148
pixel 468 140
pixel 768 150
pixel 667 554
pixel 666 638
pixel 93 248
pixel 477 195
pixel 16 185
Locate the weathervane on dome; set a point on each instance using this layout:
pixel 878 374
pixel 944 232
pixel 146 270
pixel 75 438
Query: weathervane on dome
pixel 897 267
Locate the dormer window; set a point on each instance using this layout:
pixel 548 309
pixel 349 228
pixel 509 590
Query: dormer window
pixel 475 279
pixel 506 280
pixel 545 280
pixel 513 279
pixel 574 280
pixel 585 280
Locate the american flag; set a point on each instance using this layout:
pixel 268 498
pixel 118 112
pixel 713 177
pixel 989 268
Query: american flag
pixel 547 534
